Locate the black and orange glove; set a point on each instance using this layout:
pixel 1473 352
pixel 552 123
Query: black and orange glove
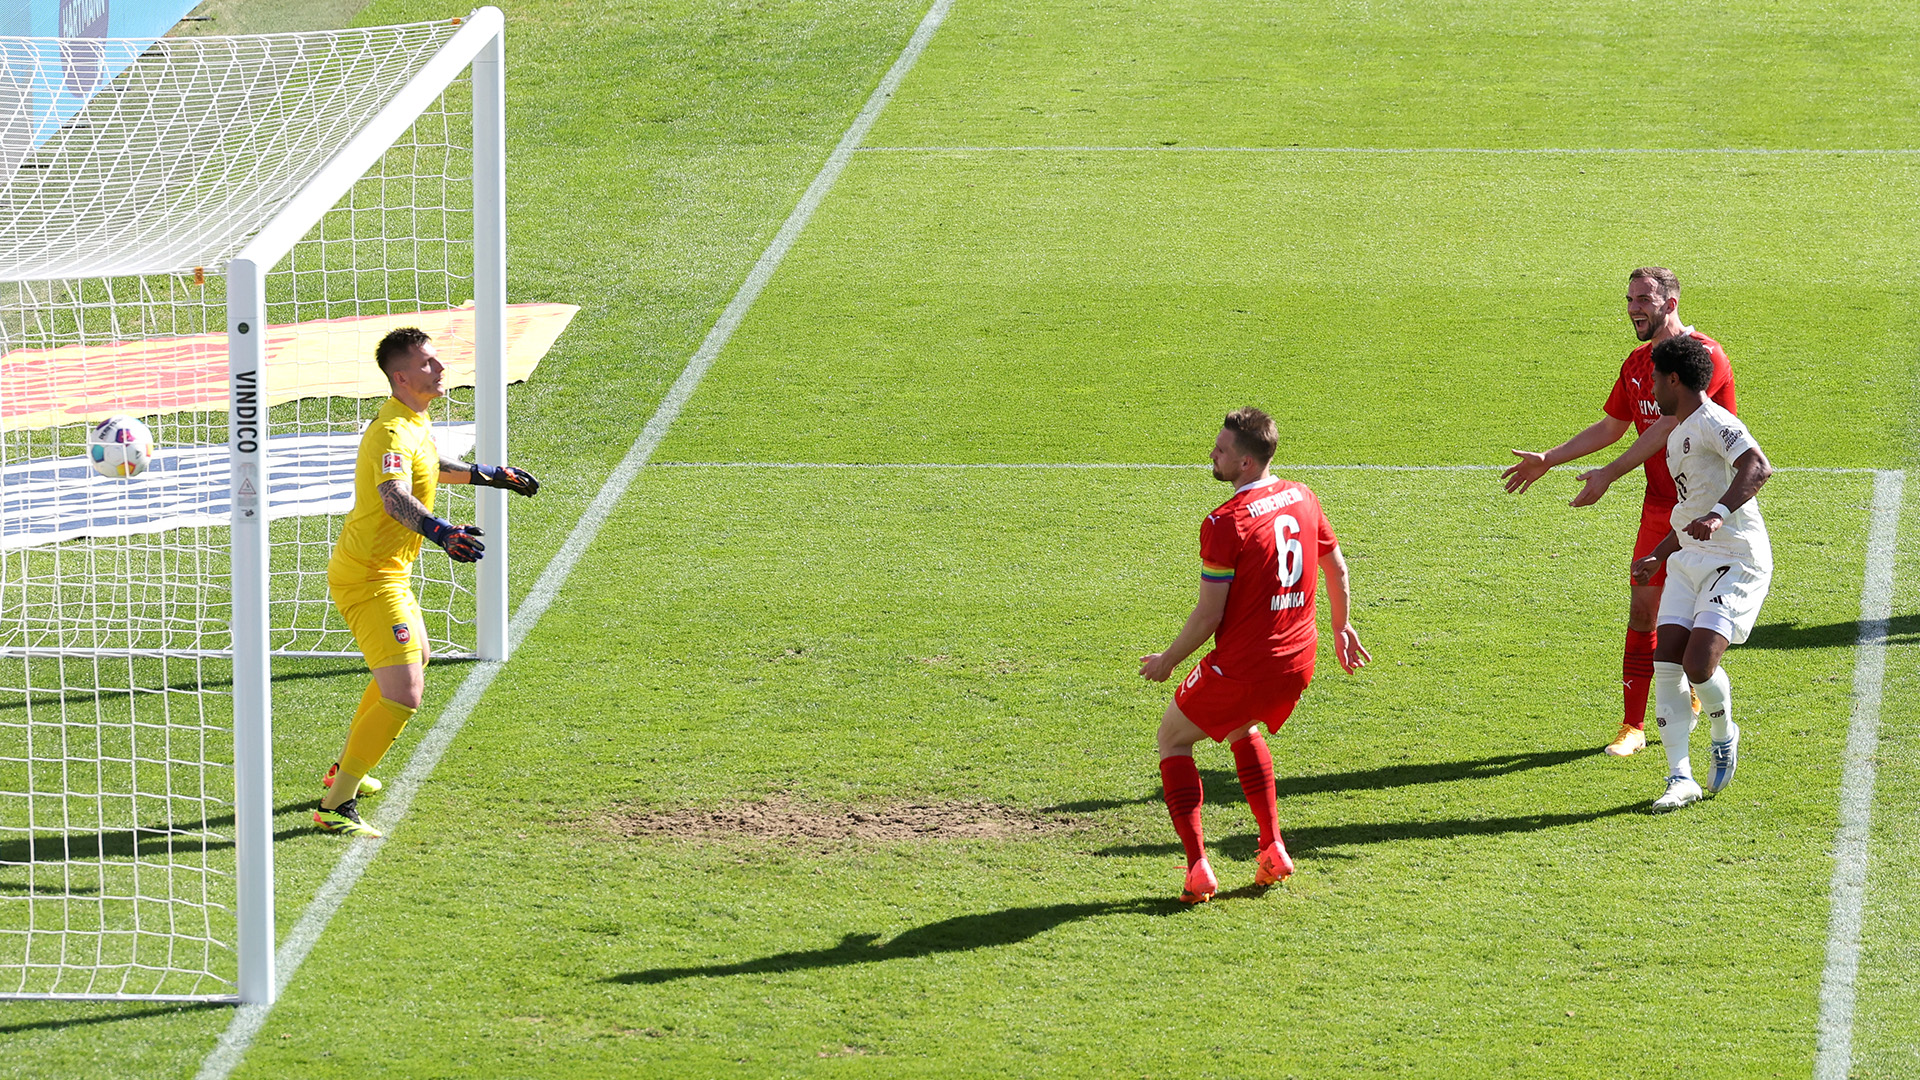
pixel 507 478
pixel 460 542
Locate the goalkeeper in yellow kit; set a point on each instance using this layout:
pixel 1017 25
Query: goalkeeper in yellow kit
pixel 394 479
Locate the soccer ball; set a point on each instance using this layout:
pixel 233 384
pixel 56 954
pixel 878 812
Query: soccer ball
pixel 119 446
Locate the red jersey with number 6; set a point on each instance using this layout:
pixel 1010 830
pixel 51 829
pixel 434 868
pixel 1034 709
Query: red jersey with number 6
pixel 1266 542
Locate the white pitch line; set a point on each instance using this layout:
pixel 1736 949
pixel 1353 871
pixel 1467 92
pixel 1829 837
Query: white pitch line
pixel 1833 1045
pixel 1543 151
pixel 249 1019
pixel 1141 465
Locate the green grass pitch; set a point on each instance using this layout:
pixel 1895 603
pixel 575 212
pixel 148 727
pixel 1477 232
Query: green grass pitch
pixel 1080 232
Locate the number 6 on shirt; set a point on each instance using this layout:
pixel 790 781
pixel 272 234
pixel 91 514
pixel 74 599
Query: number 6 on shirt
pixel 1293 561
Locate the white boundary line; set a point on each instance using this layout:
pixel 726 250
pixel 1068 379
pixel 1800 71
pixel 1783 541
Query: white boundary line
pixel 1143 465
pixel 1546 151
pixel 249 1019
pixel 1833 1044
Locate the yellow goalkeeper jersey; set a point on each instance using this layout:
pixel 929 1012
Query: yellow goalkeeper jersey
pixel 398 445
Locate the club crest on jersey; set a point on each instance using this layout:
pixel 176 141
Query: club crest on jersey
pixel 391 462
pixel 402 633
pixel 1686 445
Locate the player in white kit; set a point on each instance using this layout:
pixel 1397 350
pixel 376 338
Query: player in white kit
pixel 1719 563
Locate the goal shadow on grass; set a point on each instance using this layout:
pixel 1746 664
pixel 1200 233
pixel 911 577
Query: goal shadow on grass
pixel 136 843
pixel 15 700
pixel 1222 786
pixel 61 1023
pixel 1323 839
pixel 961 933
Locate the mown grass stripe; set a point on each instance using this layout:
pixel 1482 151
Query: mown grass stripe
pixel 1542 151
pixel 1144 465
pixel 249 1019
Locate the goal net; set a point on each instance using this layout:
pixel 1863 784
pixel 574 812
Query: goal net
pixel 211 238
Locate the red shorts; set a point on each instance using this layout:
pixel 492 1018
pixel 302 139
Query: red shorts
pixel 1217 705
pixel 1655 523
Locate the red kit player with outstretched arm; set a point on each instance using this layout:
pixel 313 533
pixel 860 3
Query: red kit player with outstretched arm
pixel 1653 305
pixel 1258 558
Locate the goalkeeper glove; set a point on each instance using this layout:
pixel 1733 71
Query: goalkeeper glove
pixel 507 477
pixel 460 542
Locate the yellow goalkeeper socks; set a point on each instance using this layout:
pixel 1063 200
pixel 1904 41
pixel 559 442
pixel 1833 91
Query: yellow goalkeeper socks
pixel 376 726
pixel 369 700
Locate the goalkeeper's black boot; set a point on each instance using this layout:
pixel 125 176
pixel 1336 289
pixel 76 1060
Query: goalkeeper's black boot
pixel 345 819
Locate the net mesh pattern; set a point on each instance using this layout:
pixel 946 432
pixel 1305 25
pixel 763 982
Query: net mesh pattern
pixel 116 746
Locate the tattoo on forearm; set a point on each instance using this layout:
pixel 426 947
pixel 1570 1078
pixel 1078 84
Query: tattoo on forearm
pixel 403 507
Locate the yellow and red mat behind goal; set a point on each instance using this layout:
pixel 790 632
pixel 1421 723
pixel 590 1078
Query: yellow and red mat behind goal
pixel 43 388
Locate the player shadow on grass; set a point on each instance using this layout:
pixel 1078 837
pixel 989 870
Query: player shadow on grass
pixel 111 844
pixel 1223 786
pixel 958 934
pixel 1901 630
pixel 1321 840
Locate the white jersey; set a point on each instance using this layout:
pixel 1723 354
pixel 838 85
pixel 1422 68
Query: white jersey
pixel 1701 451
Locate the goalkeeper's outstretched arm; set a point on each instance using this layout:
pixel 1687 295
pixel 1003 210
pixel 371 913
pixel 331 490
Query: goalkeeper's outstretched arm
pixel 505 477
pixel 460 542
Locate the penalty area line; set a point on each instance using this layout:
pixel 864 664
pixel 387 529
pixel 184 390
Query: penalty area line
pixel 1833 1044
pixel 249 1019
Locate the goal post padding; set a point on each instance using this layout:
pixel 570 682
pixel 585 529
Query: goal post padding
pixel 320 181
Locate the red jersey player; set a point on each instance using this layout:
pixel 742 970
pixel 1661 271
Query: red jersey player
pixel 1653 304
pixel 1258 558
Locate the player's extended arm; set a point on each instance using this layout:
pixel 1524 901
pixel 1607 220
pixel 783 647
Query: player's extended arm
pixel 460 542
pixel 1346 640
pixel 1200 626
pixel 1598 435
pixel 505 477
pixel 1651 441
pixel 1750 471
pixel 1643 569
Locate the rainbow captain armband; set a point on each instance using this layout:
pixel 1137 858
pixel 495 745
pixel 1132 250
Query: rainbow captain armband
pixel 1210 572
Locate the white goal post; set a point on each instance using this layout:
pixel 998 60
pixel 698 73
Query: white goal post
pixel 212 242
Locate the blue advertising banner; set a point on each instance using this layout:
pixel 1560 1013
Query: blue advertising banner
pixel 45 82
pixel 90 18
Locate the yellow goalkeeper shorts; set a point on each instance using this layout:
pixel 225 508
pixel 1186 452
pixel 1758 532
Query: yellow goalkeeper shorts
pixel 385 620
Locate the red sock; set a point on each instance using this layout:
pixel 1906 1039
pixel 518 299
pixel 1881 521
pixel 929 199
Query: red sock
pixel 1255 765
pixel 1636 675
pixel 1180 779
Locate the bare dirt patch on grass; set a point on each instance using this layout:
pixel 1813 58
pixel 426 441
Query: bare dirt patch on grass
pixel 782 817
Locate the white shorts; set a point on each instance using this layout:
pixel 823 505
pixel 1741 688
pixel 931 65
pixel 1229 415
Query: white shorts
pixel 1713 592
